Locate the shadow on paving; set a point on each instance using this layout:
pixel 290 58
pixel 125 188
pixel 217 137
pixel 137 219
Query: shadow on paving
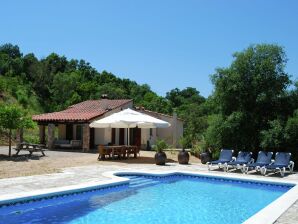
pixel 19 158
pixel 139 160
pixel 254 173
pixel 91 151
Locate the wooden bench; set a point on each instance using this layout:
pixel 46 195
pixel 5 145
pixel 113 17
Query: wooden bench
pixel 68 144
pixel 30 148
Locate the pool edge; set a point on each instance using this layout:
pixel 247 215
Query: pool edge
pixel 267 215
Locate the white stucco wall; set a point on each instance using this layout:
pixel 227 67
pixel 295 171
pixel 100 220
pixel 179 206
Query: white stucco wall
pixel 166 134
pixel 99 136
pixel 103 136
pixel 145 135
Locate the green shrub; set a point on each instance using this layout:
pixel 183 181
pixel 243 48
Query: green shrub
pixel 160 145
pixel 215 154
pixel 31 139
pixel 185 142
pixel 198 148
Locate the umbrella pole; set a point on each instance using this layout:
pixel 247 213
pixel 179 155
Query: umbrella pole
pixel 128 134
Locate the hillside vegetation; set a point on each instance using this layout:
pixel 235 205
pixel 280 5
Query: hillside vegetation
pixel 253 106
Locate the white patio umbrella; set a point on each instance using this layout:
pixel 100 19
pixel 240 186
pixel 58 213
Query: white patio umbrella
pixel 129 118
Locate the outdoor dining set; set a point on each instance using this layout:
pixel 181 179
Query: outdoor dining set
pixel 245 162
pixel 117 151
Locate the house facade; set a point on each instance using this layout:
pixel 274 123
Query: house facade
pixel 73 124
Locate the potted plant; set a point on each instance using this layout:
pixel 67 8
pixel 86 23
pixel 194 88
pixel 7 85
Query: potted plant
pixel 183 156
pixel 160 156
pixel 205 156
pixel 199 150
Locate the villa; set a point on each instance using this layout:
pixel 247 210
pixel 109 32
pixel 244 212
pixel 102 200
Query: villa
pixel 73 123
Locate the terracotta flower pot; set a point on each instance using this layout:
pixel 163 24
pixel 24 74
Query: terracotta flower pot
pixel 183 157
pixel 160 158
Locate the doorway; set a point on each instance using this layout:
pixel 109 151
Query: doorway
pixel 69 131
pixel 121 136
pixel 135 136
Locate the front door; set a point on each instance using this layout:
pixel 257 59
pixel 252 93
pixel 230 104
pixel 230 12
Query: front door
pixel 69 131
pixel 135 136
pixel 121 136
pixel 91 144
pixel 113 136
pixel 138 137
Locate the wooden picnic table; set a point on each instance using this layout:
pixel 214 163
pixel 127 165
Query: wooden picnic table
pixel 121 151
pixel 30 148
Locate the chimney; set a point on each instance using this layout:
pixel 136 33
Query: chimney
pixel 104 102
pixel 104 96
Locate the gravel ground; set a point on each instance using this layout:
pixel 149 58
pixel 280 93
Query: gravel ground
pixel 55 161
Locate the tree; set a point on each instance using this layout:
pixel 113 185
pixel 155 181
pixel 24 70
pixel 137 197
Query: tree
pixel 13 117
pixel 291 130
pixel 179 97
pixel 189 105
pixel 12 51
pixel 64 90
pixel 274 137
pixel 250 92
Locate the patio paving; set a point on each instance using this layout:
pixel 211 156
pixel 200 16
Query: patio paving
pixel 89 173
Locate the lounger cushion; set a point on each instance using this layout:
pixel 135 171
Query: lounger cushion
pixel 264 157
pixel 234 163
pixel 272 166
pixel 257 164
pixel 224 157
pixel 282 158
pixel 220 161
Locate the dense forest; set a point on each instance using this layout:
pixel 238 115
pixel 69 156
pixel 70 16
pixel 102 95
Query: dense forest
pixel 254 104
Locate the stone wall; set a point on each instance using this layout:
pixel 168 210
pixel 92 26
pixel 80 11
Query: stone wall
pixel 86 137
pixel 51 136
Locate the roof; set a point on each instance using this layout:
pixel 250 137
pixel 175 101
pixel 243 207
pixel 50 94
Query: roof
pixel 83 111
pixel 155 114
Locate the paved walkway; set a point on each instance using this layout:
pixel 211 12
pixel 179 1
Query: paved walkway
pixel 83 174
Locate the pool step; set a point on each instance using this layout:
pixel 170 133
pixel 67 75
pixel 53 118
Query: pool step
pixel 137 181
pixel 142 182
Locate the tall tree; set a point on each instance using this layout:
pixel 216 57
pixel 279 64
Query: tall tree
pixel 249 93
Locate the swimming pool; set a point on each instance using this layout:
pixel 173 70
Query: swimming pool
pixel 152 199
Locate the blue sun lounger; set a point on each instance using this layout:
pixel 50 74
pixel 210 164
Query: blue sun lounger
pixel 242 159
pixel 264 159
pixel 226 155
pixel 280 164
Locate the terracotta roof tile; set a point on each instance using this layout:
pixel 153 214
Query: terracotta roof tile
pixel 83 111
pixel 154 113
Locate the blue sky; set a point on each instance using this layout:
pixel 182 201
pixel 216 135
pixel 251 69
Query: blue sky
pixel 166 44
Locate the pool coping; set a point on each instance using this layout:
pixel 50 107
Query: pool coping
pixel 267 215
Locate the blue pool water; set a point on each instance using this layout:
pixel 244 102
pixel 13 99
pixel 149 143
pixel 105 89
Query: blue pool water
pixel 169 200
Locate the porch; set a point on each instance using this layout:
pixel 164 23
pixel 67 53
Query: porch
pixel 81 137
pixel 65 135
